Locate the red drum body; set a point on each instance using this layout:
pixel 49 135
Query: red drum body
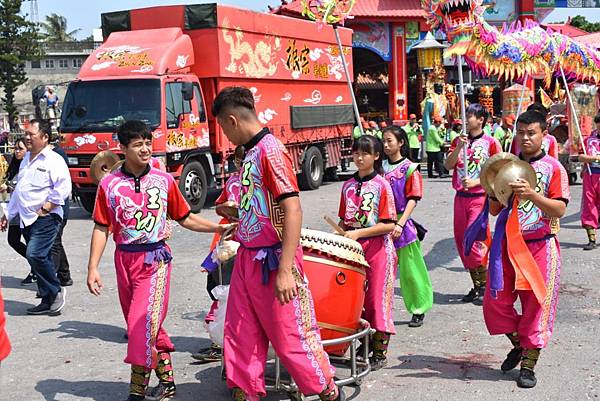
pixel 335 268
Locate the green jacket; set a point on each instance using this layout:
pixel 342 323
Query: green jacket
pixel 452 135
pixel 487 130
pixel 434 139
pixel 501 135
pixel 413 136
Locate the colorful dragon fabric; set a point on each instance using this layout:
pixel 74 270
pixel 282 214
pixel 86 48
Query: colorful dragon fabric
pixel 517 50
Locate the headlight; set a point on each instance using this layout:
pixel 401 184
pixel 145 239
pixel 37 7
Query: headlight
pixel 73 161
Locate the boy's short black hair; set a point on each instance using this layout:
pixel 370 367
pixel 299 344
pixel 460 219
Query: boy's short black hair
pixel 597 118
pixel 478 111
pixel 43 125
pixel 531 117
pixel 233 97
pixel 538 107
pixel 133 129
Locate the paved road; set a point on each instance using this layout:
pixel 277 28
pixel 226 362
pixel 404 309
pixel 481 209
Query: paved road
pixel 78 355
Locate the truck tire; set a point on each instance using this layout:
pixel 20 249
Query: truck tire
pixel 87 200
pixel 193 185
pixel 311 173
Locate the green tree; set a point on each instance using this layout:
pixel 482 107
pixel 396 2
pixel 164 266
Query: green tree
pixel 579 21
pixel 19 42
pixel 55 29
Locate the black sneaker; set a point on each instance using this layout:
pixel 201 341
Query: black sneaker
pixel 209 355
pixel 416 321
pixel 471 296
pixel 378 363
pixel 590 246
pixel 66 283
pixel 479 299
pixel 59 302
pixel 41 309
pixel 30 279
pixel 163 391
pixel 526 378
pixel 512 359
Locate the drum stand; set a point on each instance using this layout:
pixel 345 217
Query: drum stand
pixel 358 364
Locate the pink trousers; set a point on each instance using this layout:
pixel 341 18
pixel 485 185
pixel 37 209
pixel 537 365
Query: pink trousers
pixel 255 317
pixel 144 296
pixel 590 202
pixel 536 322
pixel 381 275
pixel 466 211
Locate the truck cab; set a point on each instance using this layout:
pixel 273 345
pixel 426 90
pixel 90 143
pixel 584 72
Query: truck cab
pixel 150 83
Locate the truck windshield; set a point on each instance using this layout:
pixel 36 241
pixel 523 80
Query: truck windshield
pixel 103 105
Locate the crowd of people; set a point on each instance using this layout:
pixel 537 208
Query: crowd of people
pixel 269 299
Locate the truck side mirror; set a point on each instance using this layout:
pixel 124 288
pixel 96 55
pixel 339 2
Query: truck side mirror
pixel 187 91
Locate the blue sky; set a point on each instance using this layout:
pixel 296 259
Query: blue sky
pixel 85 14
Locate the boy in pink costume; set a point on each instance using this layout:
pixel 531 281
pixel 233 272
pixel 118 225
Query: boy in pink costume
pixel 470 202
pixel 269 299
pixel 539 210
pixel 590 203
pixel 134 202
pixel 368 213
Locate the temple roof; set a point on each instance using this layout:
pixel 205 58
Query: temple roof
pixel 370 9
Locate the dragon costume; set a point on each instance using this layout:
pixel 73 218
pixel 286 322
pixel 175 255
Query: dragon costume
pixel 516 50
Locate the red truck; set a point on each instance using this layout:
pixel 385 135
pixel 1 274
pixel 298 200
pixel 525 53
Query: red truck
pixel 164 65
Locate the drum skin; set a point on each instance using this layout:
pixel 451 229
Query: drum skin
pixel 338 291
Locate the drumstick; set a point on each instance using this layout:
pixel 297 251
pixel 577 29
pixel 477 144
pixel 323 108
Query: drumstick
pixel 333 224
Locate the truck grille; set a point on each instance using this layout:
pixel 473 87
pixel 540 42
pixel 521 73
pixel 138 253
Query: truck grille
pixel 83 160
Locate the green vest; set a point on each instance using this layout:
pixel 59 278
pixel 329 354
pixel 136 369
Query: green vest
pixel 413 136
pixel 434 139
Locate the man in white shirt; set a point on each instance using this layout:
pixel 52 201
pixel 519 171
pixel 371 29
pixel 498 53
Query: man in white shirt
pixel 43 185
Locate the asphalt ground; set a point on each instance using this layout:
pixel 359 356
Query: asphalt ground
pixel 79 354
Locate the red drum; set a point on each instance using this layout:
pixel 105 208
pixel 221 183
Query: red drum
pixel 335 268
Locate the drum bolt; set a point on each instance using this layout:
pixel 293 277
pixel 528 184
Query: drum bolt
pixel 340 278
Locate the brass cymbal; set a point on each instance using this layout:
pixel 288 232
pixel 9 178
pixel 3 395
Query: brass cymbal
pixel 510 172
pixel 490 169
pixel 102 164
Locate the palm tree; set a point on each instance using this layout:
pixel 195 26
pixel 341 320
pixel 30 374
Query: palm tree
pixel 55 29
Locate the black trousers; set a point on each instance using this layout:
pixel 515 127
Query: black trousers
pixel 59 257
pixel 435 159
pixel 414 155
pixel 14 240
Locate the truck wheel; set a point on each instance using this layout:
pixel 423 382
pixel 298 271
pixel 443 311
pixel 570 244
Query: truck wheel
pixel 193 185
pixel 311 175
pixel 87 200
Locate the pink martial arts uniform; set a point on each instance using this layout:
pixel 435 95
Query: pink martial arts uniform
pixel 136 210
pixel 536 322
pixel 255 316
pixel 469 204
pixel 590 204
pixel 549 145
pixel 364 203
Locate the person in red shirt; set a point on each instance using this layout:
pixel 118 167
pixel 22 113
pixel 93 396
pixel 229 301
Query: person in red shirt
pixel 4 343
pixel 470 202
pixel 269 299
pixel 525 254
pixel 368 214
pixel 135 201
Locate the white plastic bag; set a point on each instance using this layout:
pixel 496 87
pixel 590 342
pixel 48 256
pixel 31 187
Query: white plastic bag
pixel 216 328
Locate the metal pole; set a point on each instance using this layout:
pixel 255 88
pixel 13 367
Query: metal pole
pixel 519 109
pixel 463 113
pixel 562 72
pixel 347 72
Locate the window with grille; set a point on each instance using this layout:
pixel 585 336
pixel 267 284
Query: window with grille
pixel 63 63
pixel 49 63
